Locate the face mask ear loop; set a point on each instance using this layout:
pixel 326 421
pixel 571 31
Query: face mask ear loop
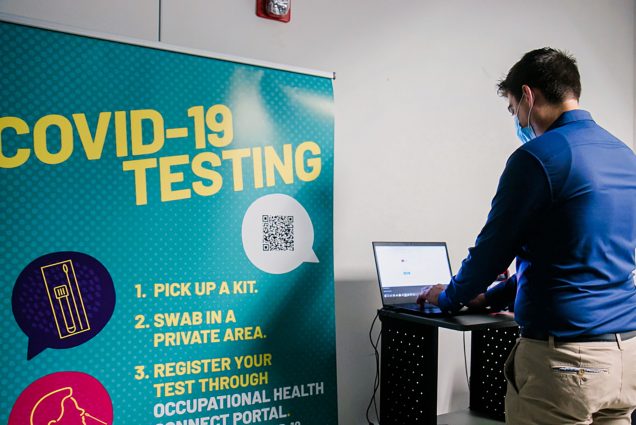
pixel 519 105
pixel 530 113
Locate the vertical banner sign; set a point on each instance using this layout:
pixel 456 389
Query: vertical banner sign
pixel 167 237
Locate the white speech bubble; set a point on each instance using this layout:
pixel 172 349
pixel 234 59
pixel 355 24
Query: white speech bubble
pixel 278 234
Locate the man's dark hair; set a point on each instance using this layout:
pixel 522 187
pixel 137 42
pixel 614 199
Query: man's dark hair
pixel 552 71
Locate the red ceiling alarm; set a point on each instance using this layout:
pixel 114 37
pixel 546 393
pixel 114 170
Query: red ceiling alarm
pixel 277 10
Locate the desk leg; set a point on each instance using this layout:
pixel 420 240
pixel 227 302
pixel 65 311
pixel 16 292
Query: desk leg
pixel 408 380
pixel 489 351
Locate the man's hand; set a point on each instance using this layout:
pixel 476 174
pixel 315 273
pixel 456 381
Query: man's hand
pixel 430 295
pixel 479 302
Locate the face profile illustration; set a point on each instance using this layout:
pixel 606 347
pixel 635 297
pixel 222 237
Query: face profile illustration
pixel 61 300
pixel 59 407
pixel 63 398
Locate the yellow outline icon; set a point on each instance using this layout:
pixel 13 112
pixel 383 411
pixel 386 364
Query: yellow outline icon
pixel 83 413
pixel 65 299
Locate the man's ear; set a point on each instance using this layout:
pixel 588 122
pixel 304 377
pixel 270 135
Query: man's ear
pixel 529 93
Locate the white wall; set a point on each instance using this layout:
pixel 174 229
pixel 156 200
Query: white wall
pixel 421 136
pixel 138 18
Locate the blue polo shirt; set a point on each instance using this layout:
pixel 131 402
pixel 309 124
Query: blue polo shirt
pixel 566 208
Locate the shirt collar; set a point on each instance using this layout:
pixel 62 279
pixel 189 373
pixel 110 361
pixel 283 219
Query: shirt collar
pixel 571 116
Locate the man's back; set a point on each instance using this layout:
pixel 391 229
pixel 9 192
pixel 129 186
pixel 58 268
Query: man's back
pixel 576 263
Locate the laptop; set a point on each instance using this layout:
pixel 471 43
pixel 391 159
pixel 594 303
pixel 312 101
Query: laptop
pixel 406 268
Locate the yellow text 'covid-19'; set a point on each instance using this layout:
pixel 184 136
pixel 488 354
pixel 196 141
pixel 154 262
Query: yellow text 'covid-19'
pixel 142 133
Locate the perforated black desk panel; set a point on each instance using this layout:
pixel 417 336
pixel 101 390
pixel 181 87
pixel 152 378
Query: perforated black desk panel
pixel 408 388
pixel 408 392
pixel 488 353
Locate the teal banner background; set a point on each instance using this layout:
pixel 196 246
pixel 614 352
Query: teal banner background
pixel 89 206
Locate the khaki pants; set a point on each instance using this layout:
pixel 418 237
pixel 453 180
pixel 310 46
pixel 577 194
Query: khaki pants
pixel 571 383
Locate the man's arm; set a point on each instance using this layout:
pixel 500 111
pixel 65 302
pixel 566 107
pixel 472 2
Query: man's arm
pixel 523 193
pixel 502 295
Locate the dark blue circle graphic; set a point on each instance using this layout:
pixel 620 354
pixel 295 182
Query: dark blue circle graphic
pixel 62 300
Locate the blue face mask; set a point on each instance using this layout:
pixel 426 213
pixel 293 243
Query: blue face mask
pixel 525 134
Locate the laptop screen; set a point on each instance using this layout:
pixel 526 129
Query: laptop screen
pixel 405 268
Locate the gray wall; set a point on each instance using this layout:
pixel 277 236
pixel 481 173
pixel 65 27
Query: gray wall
pixel 421 136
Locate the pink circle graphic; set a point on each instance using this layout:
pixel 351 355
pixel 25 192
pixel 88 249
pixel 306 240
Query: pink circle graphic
pixel 63 398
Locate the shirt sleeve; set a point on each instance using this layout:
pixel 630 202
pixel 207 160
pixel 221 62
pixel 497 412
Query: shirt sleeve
pixel 523 193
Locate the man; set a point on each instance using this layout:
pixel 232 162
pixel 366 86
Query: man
pixel 566 208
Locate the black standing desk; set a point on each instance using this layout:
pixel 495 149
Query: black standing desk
pixel 408 386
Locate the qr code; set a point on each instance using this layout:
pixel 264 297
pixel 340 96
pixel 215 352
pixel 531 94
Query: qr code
pixel 278 233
